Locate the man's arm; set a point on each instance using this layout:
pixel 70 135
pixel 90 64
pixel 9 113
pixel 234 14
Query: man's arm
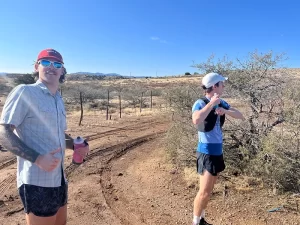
pixel 234 113
pixel 69 141
pixel 12 143
pixel 200 115
pixel 231 112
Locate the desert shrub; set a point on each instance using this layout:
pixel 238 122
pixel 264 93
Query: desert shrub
pixel 278 162
pixel 155 92
pixel 22 78
pixel 181 137
pixel 4 88
pixel 93 105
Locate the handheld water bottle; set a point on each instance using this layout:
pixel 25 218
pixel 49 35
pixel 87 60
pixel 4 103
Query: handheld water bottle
pixel 78 143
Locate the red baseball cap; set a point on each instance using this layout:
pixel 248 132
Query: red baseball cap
pixel 50 53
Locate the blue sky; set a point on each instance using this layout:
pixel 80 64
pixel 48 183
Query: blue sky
pixel 145 37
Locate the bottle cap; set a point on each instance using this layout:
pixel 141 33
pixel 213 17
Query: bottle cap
pixel 78 140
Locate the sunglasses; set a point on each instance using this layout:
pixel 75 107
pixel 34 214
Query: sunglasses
pixel 47 63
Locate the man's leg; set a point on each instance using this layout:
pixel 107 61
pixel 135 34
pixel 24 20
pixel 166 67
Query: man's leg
pixel 207 182
pixel 43 204
pixel 59 219
pixel 31 219
pixel 61 216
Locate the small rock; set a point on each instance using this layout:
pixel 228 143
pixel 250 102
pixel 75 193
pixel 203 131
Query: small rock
pixel 173 171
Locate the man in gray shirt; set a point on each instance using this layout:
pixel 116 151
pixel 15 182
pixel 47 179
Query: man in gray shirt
pixel 32 126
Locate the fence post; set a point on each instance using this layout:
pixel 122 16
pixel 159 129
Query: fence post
pixel 120 106
pixel 141 102
pixel 151 99
pixel 107 105
pixel 81 108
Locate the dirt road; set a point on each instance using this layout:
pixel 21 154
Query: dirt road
pixel 127 179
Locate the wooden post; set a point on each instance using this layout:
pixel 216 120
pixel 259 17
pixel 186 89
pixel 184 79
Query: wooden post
pixel 151 100
pixel 141 102
pixel 81 108
pixel 120 105
pixel 107 105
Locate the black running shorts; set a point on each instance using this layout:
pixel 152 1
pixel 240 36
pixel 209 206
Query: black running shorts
pixel 214 164
pixel 43 201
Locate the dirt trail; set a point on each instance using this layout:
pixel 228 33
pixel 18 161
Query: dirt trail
pixel 127 179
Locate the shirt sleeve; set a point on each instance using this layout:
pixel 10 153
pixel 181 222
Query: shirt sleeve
pixel 16 106
pixel 198 105
pixel 224 104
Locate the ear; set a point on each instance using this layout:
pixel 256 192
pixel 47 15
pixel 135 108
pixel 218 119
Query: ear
pixel 36 66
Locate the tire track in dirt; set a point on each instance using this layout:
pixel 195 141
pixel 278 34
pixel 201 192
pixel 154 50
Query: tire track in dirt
pixel 114 151
pixel 107 154
pixel 6 184
pixel 125 128
pixel 11 160
pixel 8 162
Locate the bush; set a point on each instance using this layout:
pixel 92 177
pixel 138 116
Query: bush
pixel 5 88
pixel 22 78
pixel 278 162
pixel 181 140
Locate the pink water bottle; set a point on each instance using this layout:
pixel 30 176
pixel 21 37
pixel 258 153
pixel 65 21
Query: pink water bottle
pixel 78 143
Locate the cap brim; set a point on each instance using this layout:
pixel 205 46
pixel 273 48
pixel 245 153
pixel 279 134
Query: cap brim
pixel 222 79
pixel 52 57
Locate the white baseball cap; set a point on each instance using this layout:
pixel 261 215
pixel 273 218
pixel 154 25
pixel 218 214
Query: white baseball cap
pixel 211 79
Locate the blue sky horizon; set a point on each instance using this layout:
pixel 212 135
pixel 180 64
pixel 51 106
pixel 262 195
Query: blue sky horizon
pixel 145 37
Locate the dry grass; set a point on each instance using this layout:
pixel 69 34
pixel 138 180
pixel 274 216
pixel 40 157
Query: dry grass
pixel 149 82
pixel 191 176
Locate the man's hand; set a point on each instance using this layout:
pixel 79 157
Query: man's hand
pixel 48 162
pixel 215 100
pixel 220 111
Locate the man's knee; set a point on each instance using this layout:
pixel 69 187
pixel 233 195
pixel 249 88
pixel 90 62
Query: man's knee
pixel 204 195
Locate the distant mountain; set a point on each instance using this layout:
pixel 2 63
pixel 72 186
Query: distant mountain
pixel 105 75
pixel 96 74
pixel 2 73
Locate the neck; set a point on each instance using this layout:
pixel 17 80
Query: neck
pixel 51 87
pixel 209 95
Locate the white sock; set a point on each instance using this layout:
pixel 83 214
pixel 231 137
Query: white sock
pixel 196 220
